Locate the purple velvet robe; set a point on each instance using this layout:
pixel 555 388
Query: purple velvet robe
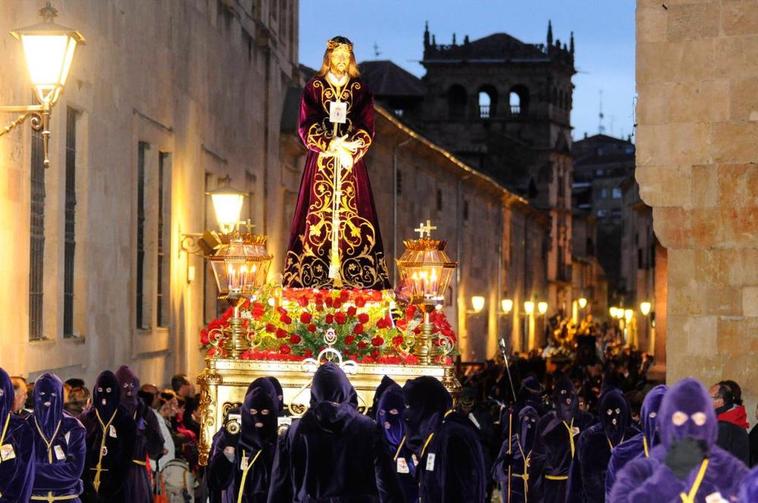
pixel 148 441
pixel 642 443
pixel 749 487
pixel 333 453
pixel 595 446
pixel 110 443
pixel 17 441
pixel 521 444
pixel 651 480
pixel 362 263
pixel 254 442
pixel 59 444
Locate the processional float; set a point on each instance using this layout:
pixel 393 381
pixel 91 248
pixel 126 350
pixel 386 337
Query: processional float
pixel 288 331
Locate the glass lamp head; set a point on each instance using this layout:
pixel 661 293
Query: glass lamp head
pixel 506 305
pixel 542 307
pixel 628 314
pixel 582 302
pixel 49 51
pixel 528 307
pixel 645 308
pixel 477 303
pixel 227 204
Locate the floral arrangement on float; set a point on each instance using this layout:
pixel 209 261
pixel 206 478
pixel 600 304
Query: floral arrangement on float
pixel 289 325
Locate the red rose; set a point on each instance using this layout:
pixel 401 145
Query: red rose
pixel 303 301
pixel 212 352
pixel 305 317
pixel 329 318
pixel 344 295
pixel 258 310
pixel 381 323
pixel 360 301
pixel 285 349
pixel 375 354
pixel 363 318
pixel 281 333
pixel 351 311
pixel 410 311
pixel 358 329
pixel 362 345
pixel 349 339
pixel 319 307
pixel 337 303
pixel 270 328
pixel 377 341
pixel 328 302
pixel 204 339
pixel 397 340
pixel 295 339
pixel 307 353
pixel 285 319
pixel 312 328
pixel 340 318
pixel 281 310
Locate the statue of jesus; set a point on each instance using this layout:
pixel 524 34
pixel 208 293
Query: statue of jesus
pixel 334 238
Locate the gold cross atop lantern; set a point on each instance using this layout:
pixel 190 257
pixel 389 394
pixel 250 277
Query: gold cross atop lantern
pixel 426 270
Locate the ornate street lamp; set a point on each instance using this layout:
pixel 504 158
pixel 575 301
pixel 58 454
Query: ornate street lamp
pixel 477 304
pixel 582 301
pixel 49 51
pixel 427 271
pixel 227 204
pixel 507 306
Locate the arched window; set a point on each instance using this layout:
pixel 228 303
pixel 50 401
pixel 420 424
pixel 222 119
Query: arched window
pixel 518 99
pixel 456 102
pixel 487 102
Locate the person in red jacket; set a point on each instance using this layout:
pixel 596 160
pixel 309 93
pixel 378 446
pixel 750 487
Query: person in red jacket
pixel 732 418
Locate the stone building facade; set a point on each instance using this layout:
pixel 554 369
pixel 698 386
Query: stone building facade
pixel 696 149
pixel 164 100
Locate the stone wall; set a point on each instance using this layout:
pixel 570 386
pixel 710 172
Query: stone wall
pixel 697 75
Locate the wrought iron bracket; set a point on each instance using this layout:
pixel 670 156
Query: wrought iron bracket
pixel 39 117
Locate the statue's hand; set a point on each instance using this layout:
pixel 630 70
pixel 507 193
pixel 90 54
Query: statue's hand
pixel 346 159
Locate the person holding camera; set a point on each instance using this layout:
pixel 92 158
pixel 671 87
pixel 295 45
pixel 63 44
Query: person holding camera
pixel 239 470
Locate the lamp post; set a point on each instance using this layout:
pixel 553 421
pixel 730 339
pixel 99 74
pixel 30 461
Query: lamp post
pixel 426 270
pixel 48 51
pixel 646 308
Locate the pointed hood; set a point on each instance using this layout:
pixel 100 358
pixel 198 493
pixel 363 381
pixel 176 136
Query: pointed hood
pixel 279 392
pixel 107 395
pixel 426 401
pixel 333 399
pixel 687 412
pixel 48 403
pixel 6 397
pixel 614 415
pixel 383 385
pixel 527 419
pixel 259 414
pixel 390 411
pixel 649 413
pixel 129 385
pixel 565 399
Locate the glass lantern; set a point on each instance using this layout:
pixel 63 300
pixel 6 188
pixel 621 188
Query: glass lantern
pixel 426 270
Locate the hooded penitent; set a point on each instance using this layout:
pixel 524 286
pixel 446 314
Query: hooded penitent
pixel 390 413
pixel 514 455
pixel 451 464
pixel 556 444
pixel 565 399
pixel 640 444
pixel 59 443
pixel 16 448
pixel 595 446
pixel 240 465
pixel 687 461
pixel 427 401
pixel 111 436
pixel 333 453
pixel 148 441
